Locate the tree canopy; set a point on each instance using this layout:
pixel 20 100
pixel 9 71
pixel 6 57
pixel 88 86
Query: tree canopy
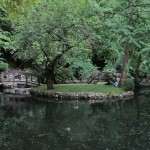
pixel 61 39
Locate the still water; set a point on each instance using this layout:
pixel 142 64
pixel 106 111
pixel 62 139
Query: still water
pixel 27 124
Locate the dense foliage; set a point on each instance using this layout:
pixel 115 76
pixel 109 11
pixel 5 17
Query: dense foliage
pixel 60 40
pixel 129 84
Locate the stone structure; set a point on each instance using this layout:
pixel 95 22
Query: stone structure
pixel 23 91
pixel 102 76
pixel 15 78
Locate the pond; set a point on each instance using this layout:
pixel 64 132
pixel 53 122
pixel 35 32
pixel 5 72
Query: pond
pixel 27 124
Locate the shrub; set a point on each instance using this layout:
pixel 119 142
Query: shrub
pixel 129 84
pixel 3 66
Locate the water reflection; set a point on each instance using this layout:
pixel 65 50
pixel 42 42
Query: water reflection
pixel 26 124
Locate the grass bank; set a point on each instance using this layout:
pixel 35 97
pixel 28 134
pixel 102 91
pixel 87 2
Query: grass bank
pixel 96 88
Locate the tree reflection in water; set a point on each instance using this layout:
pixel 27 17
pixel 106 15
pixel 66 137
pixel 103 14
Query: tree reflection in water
pixel 41 126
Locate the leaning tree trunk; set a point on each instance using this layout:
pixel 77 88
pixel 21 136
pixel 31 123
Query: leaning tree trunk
pixel 126 55
pixel 124 67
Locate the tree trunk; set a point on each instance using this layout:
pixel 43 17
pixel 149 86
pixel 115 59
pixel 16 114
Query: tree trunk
pixel 50 77
pixel 124 67
pixel 126 55
pixel 137 68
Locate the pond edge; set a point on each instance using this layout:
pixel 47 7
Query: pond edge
pixel 81 95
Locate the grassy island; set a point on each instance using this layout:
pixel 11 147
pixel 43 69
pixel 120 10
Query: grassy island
pixel 77 88
pixel 98 92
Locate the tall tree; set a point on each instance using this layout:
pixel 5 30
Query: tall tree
pixel 122 31
pixel 47 36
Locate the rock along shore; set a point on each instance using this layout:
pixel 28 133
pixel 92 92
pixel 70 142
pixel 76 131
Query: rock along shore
pixel 81 95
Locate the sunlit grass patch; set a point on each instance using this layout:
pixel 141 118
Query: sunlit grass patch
pixel 83 88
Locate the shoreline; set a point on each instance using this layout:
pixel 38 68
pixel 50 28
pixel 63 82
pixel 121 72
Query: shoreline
pixel 81 95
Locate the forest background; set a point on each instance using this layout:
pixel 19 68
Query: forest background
pixel 62 40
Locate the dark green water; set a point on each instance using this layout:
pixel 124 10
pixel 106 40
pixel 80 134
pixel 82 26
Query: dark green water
pixel 29 125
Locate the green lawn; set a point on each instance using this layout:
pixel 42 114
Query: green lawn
pixel 96 88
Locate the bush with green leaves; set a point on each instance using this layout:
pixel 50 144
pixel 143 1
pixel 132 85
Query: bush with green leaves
pixel 3 66
pixel 129 84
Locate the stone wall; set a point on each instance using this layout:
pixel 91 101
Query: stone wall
pixel 82 95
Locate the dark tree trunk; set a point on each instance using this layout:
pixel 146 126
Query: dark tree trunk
pixel 50 77
pixel 124 67
pixel 126 55
pixel 50 82
pixel 51 67
pixel 137 68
